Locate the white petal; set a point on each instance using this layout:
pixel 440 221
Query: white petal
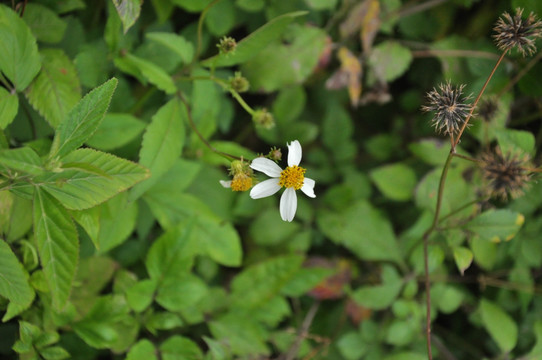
pixel 294 153
pixel 226 184
pixel 265 188
pixel 268 167
pixel 308 187
pixel 288 204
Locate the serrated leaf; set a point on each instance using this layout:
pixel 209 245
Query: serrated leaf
pixel 44 23
pixel 177 43
pixel 115 131
pixel 22 159
pixel 128 11
pixel 13 278
pixel 83 120
pixel 162 144
pixel 496 225
pixel 261 282
pixel 78 190
pixel 9 105
pixel 148 70
pixel 58 245
pixel 19 58
pixel 56 89
pixel 255 42
pixel 500 325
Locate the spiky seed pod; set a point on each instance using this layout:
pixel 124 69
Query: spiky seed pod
pixel 506 175
pixel 450 108
pixel 487 109
pixel 515 31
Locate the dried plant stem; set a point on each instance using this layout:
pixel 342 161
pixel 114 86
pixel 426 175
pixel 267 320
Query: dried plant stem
pixel 203 140
pixel 469 116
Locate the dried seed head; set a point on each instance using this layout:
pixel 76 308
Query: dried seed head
pixel 515 31
pixel 507 175
pixel 487 109
pixel 450 108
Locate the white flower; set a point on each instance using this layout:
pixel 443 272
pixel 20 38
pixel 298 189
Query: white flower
pixel 292 178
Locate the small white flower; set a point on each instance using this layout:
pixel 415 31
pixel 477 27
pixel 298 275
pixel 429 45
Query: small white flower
pixel 292 178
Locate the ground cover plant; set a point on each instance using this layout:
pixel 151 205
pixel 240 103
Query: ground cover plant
pixel 267 179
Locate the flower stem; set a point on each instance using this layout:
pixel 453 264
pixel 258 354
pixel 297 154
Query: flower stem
pixel 469 116
pixel 200 27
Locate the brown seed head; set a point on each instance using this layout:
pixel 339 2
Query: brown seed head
pixel 507 175
pixel 515 31
pixel 449 106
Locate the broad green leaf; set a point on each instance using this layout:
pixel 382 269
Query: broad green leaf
pixel 352 346
pixel 484 252
pixel 9 105
pixel 363 230
pixel 13 278
pixel 142 350
pixel 322 4
pixel 162 145
pixel 118 218
pixel 92 63
pixel 54 353
pixel 395 181
pixel 500 325
pixel 172 253
pixel 402 332
pixel 515 142
pixel 19 58
pixel 56 89
pixel 221 18
pixel 282 230
pixel 280 65
pixel 177 43
pixel 255 42
pixel 381 296
pixel 163 9
pixel 44 23
pixel 241 332
pixel 430 151
pixel 163 321
pixel 389 60
pixel 180 292
pixel 250 5
pixel 115 131
pixel 537 349
pixel 128 11
pixel 448 298
pixel 463 258
pixel 148 70
pixel 406 356
pixel 58 245
pixel 22 159
pixel 259 283
pixel 141 295
pixel 83 120
pixel 496 225
pixel 179 347
pixel 78 190
pixel 305 280
pixel 192 5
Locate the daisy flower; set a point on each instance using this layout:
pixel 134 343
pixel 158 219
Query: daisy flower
pixel 292 178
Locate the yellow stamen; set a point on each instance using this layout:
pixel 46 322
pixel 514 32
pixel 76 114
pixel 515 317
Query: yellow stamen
pixel 292 176
pixel 241 182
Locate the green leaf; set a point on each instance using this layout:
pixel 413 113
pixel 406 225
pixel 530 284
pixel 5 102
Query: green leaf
pixel 282 230
pixel 9 105
pixel 22 159
pixel 389 60
pixel 56 89
pixel 142 350
pixel 510 141
pixel 406 356
pixel 180 292
pixel 255 42
pixel 241 332
pixel 363 230
pixel 305 280
pixel 463 258
pixel 54 353
pixel 537 349
pixel 162 144
pixel 13 278
pixel 151 72
pixel 177 43
pixel 430 151
pixel 19 58
pixel 58 245
pixel 44 23
pixel 115 131
pixel 180 348
pixel 380 296
pixel 172 253
pixel 279 65
pixel 192 5
pixel 118 218
pixel 78 190
pixel 395 181
pixel 496 225
pixel 141 295
pixel 259 283
pixel 500 325
pixel 221 19
pixel 128 11
pixel 83 120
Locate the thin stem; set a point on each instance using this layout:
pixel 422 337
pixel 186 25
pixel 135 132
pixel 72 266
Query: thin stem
pixel 200 27
pixel 303 331
pixel 469 116
pixel 203 140
pixel 468 158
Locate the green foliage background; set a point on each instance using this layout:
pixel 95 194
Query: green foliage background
pixel 118 241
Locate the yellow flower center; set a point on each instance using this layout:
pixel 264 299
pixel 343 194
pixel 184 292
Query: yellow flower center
pixel 292 176
pixel 241 182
